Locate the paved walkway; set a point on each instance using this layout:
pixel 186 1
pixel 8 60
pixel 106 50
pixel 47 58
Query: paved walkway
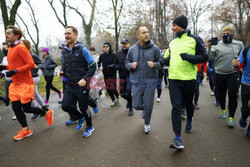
pixel 118 140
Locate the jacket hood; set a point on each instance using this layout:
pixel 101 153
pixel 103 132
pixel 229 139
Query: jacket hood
pixel 148 45
pixel 110 47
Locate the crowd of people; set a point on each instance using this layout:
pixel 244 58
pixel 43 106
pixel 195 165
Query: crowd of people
pixel 141 67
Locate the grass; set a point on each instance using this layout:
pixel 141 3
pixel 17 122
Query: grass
pixel 41 85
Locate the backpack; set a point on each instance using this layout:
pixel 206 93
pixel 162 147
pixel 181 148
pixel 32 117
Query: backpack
pixel 245 54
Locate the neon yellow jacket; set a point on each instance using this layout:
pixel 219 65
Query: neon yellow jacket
pixel 181 69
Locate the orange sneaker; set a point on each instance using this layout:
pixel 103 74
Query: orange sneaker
pixel 49 117
pixel 22 134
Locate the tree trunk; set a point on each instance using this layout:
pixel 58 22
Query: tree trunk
pixel 13 11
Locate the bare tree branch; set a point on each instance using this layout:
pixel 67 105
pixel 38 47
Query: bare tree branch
pixel 87 27
pixel 63 23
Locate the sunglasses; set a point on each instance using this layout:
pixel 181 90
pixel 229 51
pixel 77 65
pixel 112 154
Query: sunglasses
pixel 106 46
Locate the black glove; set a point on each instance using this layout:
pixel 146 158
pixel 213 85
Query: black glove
pixel 197 59
pixel 11 73
pixel 186 56
pixel 2 68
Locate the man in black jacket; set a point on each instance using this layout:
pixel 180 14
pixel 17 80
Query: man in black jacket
pixel 125 86
pixel 107 66
pixel 78 67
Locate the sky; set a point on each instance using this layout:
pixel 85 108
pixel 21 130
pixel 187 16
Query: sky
pixel 51 31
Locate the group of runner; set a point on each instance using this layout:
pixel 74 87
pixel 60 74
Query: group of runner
pixel 141 69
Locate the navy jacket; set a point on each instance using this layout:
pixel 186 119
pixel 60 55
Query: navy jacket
pixel 78 64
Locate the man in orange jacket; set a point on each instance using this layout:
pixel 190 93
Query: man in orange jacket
pixel 21 90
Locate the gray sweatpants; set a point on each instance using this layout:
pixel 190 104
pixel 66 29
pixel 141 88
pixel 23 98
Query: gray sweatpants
pixel 38 98
pixel 143 99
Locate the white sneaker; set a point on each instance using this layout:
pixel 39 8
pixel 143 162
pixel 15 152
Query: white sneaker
pixel 113 104
pixel 158 100
pixel 117 102
pixel 212 93
pixel 13 118
pixel 147 129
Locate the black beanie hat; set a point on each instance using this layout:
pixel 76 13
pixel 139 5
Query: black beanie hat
pixel 181 21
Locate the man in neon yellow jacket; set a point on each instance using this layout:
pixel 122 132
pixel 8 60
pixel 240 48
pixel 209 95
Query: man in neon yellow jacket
pixel 184 52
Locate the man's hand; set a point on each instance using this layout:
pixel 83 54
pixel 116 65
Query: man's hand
pixel 11 73
pixel 60 74
pixel 134 65
pixel 82 82
pixel 101 69
pixel 151 64
pixel 209 44
pixel 236 62
pixel 185 56
pixel 2 68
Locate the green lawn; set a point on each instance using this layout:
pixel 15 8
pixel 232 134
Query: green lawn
pixel 41 85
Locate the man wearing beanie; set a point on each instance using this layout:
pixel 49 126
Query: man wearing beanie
pixel 184 52
pixel 226 78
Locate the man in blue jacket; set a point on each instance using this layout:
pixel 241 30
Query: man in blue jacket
pixel 143 60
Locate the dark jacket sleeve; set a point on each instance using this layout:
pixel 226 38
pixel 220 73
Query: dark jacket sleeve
pixel 53 64
pixel 117 65
pixel 90 73
pixel 200 52
pixel 91 64
pixel 99 61
pixel 37 60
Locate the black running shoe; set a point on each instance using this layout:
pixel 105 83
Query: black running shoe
pixel 34 117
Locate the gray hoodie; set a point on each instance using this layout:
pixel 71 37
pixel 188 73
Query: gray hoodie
pixel 143 74
pixel 224 54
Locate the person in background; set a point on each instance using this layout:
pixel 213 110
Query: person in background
pixel 226 78
pixel 125 85
pixel 106 64
pixel 36 78
pixel 201 73
pixel 211 77
pixel 7 79
pixel 48 72
pixel 243 63
pixel 97 76
pixel 64 80
pixel 159 81
pixel 165 68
